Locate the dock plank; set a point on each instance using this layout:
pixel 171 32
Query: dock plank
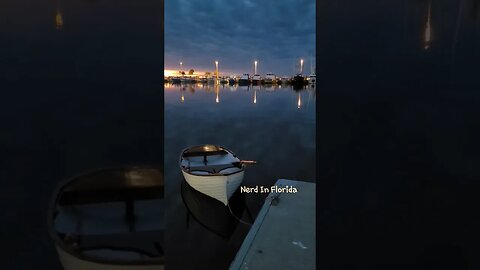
pixel 283 235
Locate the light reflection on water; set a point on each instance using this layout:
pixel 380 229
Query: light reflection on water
pixel 273 125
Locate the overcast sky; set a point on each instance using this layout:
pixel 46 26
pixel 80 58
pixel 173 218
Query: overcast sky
pixel 277 33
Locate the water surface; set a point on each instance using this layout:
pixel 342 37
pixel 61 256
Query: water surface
pixel 83 96
pixel 398 144
pixel 273 125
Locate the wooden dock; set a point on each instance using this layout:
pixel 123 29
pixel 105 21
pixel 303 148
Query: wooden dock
pixel 283 235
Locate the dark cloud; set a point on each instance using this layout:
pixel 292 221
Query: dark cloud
pixel 235 32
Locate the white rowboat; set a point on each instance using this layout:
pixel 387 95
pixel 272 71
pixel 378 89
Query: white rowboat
pixel 212 170
pixel 110 219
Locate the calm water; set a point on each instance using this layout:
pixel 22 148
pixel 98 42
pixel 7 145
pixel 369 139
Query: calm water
pixel 398 133
pixel 274 126
pixel 85 96
pixel 398 139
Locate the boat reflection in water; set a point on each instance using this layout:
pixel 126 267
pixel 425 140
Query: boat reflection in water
pixel 298 87
pixel 212 214
pixel 198 92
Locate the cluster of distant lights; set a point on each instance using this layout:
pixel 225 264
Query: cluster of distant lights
pixel 172 72
pixel 217 98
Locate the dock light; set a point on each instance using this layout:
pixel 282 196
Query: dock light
pixel 301 66
pixel 255 71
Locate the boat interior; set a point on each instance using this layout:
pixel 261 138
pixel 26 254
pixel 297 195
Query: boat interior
pixel 112 216
pixel 210 159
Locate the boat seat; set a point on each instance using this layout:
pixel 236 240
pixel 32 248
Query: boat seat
pixel 205 153
pixel 89 196
pixel 148 243
pixel 103 218
pixel 216 169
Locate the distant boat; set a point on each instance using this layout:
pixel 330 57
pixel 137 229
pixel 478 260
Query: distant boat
pixel 210 80
pixel 186 80
pixel 256 79
pixel 212 170
pixel 223 80
pixel 231 81
pixel 312 78
pixel 270 78
pixel 245 79
pixel 176 80
pixel 109 219
pixel 299 79
pixel 285 80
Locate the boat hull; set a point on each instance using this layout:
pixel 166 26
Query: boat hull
pixel 220 187
pixel 70 262
pixel 299 80
pixel 243 82
pixel 268 81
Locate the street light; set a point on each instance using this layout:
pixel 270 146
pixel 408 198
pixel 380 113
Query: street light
pixel 255 71
pixel 301 66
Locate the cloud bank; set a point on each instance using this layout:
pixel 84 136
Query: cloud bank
pixel 236 32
